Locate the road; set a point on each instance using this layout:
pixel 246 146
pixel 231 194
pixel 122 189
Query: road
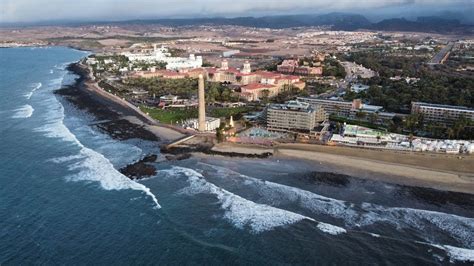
pixel 442 55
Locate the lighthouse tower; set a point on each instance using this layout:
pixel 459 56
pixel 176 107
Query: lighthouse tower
pixel 202 105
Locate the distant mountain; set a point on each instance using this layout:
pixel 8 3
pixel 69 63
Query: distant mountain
pixel 336 21
pixel 423 24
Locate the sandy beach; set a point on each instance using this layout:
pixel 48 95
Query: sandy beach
pixel 427 170
pixel 438 171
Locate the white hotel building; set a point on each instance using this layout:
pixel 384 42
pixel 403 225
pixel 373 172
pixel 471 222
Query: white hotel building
pixel 162 55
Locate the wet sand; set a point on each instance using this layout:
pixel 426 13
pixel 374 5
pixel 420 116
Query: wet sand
pixel 429 170
pixel 438 171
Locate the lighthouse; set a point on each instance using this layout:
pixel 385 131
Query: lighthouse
pixel 202 105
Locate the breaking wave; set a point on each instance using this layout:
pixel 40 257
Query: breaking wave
pixel 458 254
pixel 242 212
pixel 92 165
pixel 24 112
pixel 352 215
pixel 36 86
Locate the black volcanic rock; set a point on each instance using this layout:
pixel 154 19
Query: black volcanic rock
pixel 140 169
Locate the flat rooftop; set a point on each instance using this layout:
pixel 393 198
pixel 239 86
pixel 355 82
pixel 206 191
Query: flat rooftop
pixel 435 105
pixel 293 106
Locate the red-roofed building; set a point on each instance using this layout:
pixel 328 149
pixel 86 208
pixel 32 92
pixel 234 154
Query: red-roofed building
pixel 291 66
pixel 256 91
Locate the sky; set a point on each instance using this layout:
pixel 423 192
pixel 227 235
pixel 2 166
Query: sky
pixel 49 10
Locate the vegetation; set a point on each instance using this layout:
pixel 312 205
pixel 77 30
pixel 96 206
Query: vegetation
pixel 170 115
pixel 332 67
pixel 216 92
pixel 316 88
pixel 144 66
pixel 441 85
pixel 359 122
pixel 387 65
pixel 413 124
pixel 289 93
pixel 185 88
pixel 176 115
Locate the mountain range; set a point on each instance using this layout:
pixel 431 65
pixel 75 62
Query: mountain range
pixel 335 21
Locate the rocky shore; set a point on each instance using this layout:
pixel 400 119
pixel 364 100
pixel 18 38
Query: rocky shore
pixel 141 169
pixel 111 116
pixel 112 119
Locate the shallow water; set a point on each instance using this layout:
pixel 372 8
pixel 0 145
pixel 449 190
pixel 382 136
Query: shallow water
pixel 63 201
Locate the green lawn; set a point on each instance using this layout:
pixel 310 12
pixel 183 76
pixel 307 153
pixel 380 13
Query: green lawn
pixel 172 115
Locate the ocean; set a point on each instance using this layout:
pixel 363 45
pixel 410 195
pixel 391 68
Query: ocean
pixel 63 200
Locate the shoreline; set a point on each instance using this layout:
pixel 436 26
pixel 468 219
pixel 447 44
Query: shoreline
pixel 438 171
pixel 87 95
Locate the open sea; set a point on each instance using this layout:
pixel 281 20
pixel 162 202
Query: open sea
pixel 63 201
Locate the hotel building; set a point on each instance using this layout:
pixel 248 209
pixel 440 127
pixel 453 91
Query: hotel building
pixel 438 113
pixel 294 116
pixel 162 55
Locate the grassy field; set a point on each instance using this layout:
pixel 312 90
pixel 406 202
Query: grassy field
pixel 170 116
pixel 175 115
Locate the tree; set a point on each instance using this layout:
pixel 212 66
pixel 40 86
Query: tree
pixel 265 96
pixel 220 132
pixel 373 118
pixel 361 115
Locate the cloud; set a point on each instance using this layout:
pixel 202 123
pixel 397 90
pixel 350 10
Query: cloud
pixel 43 10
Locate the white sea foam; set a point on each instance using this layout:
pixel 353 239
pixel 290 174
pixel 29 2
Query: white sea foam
pixel 36 86
pixel 51 71
pixel 454 253
pixel 331 229
pixel 66 158
pixel 239 211
pixel 24 112
pixel 459 254
pixel 461 228
pixel 93 166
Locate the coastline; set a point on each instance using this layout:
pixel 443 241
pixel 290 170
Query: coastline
pixel 122 121
pixel 436 171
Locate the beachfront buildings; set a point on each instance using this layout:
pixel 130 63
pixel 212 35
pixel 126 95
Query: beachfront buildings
pixel 294 116
pixel 443 114
pixel 332 107
pixel 352 110
pixel 162 55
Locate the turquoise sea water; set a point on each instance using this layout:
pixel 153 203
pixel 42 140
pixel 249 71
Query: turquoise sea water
pixel 62 201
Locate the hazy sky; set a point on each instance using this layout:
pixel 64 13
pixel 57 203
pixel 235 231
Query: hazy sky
pixel 45 10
